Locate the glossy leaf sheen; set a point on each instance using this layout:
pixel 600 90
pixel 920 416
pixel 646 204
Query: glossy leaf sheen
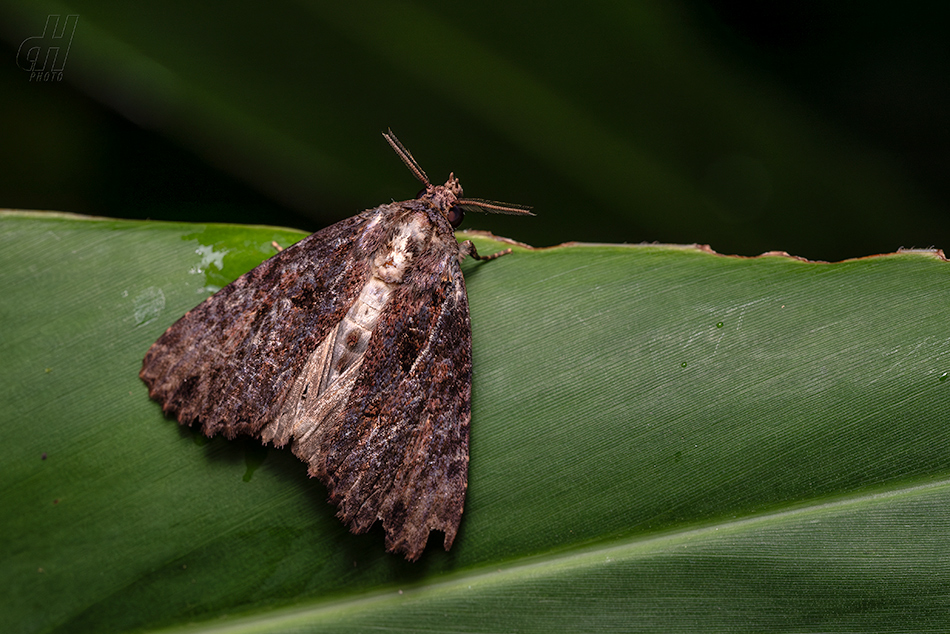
pixel 635 464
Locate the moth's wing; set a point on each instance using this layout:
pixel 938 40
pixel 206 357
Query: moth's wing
pixel 402 454
pixel 230 361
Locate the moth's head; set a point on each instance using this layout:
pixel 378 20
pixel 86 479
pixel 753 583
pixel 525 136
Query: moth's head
pixel 448 198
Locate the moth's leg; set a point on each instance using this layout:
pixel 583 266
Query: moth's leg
pixel 467 248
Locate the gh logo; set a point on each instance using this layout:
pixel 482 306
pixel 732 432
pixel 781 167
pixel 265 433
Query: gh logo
pixel 44 56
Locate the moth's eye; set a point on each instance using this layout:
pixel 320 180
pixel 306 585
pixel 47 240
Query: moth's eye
pixel 455 216
pixel 422 192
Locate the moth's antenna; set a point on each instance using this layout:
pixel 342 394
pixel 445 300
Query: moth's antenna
pixel 406 157
pixel 469 204
pixel 494 207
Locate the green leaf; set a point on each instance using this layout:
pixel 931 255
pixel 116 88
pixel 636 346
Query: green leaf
pixel 662 438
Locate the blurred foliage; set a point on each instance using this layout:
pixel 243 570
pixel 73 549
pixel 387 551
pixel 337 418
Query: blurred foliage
pixel 816 128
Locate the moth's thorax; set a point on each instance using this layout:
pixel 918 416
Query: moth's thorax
pixel 442 197
pixel 393 260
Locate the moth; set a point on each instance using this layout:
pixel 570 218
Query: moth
pixel 353 346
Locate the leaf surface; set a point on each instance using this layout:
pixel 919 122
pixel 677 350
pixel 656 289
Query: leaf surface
pixel 662 437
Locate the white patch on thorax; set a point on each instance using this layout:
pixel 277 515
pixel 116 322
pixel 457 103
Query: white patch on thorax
pixel 388 269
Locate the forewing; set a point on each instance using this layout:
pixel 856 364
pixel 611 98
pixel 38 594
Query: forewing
pixel 230 361
pixel 402 454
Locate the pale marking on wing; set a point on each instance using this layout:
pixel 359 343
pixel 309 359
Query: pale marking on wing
pixel 323 387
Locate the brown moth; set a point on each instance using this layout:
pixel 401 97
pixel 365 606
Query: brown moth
pixel 355 347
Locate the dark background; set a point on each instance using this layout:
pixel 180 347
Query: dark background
pixel 817 128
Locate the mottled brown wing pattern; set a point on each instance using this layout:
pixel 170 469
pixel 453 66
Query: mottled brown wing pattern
pixel 354 346
pixel 390 438
pixel 401 455
pixel 227 363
